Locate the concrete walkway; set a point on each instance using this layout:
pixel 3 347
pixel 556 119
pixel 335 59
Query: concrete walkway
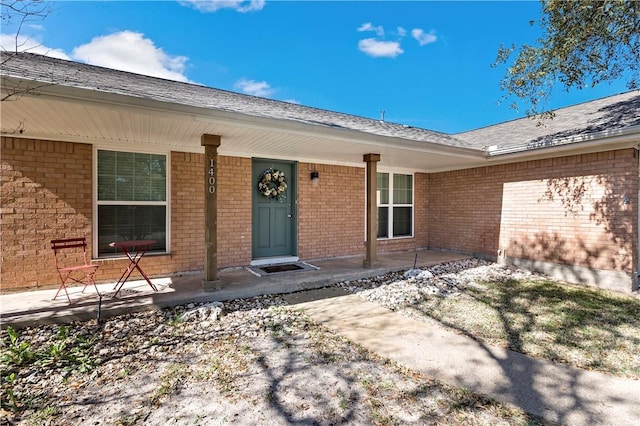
pixel 556 392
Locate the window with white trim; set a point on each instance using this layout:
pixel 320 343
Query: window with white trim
pixel 131 199
pixel 395 205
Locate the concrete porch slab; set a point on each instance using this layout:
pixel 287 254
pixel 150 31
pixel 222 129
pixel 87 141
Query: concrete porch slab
pixel 31 308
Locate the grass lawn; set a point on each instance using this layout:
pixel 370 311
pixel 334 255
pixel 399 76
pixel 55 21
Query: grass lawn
pixel 584 327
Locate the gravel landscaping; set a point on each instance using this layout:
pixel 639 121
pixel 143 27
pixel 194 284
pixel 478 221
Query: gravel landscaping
pixel 253 361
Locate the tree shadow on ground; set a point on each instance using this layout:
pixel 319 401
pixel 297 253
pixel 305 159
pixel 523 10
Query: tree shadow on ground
pixel 568 316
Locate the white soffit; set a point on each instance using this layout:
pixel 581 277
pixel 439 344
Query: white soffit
pixel 86 121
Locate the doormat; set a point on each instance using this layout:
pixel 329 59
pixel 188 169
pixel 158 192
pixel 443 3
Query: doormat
pixel 281 268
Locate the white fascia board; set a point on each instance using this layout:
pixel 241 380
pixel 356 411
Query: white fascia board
pixel 614 136
pixel 301 128
pixel 219 116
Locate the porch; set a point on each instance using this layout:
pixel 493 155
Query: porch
pixel 32 308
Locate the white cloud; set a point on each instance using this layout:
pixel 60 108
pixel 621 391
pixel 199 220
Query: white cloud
pixel 422 37
pixel 21 43
pixel 379 49
pixel 255 88
pixel 368 26
pixel 131 51
pixel 242 6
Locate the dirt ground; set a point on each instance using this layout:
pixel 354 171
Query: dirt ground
pixel 259 363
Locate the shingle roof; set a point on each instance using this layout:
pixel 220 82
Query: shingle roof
pixel 570 124
pixel 66 73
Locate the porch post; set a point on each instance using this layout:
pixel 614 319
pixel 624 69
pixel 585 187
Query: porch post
pixel 371 260
pixel 211 144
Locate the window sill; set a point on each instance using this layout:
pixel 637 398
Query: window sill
pixel 395 238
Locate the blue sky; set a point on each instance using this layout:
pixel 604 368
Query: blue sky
pixel 424 63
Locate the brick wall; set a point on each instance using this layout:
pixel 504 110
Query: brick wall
pixel 338 204
pixel 465 208
pixel 567 210
pixel 234 211
pixel 187 211
pixel 187 219
pixel 330 215
pixel 46 194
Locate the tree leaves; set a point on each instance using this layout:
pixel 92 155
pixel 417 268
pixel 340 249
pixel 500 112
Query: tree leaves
pixel 585 43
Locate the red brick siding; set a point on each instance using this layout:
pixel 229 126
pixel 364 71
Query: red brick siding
pixel 464 209
pixel 187 211
pixel 234 211
pixel 566 210
pixel 330 215
pixel 46 194
pixel 187 217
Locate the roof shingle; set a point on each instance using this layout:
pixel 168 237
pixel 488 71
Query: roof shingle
pixel 66 73
pixel 570 124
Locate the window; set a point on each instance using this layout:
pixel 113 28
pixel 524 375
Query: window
pixel 395 205
pixel 131 199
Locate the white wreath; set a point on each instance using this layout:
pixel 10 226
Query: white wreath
pixel 272 183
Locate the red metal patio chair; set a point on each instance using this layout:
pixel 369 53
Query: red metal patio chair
pixel 71 261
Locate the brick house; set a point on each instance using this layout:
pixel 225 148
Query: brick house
pixel 112 155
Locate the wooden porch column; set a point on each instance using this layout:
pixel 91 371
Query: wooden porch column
pixel 211 144
pixel 371 259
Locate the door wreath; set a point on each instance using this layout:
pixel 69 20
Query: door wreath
pixel 272 183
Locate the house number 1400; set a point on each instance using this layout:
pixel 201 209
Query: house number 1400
pixel 212 179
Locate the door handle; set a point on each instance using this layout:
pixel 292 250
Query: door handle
pixel 289 216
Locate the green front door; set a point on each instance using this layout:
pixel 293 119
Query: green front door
pixel 274 215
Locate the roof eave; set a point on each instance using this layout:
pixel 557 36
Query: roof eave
pixel 627 137
pixel 221 116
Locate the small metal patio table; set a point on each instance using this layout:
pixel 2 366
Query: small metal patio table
pixel 134 250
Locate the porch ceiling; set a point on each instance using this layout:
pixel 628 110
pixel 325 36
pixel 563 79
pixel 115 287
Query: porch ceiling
pixel 161 127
